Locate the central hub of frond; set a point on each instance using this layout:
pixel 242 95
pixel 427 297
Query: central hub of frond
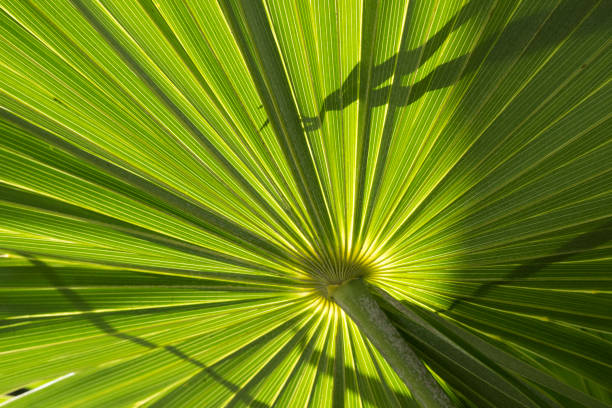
pixel 331 273
pixel 342 271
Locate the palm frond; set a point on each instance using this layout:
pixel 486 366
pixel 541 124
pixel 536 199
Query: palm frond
pixel 184 185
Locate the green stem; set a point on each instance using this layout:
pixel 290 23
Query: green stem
pixel 355 299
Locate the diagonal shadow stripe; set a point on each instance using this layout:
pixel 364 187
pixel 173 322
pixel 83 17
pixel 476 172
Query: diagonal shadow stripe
pixel 597 237
pixel 81 305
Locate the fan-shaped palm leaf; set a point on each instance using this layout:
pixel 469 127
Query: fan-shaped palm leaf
pixel 305 203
